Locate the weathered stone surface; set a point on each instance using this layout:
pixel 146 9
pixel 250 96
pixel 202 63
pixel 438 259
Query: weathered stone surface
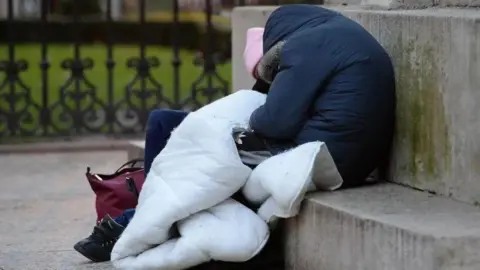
pixel 457 3
pixel 46 206
pixel 406 4
pixel 347 2
pixel 136 149
pixel 436 57
pixel 383 227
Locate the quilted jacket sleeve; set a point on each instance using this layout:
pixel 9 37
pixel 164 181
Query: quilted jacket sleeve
pixel 304 67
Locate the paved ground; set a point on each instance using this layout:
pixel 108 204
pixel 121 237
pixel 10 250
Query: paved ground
pixel 46 205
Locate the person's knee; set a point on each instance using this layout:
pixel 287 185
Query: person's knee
pixel 165 119
pixel 155 118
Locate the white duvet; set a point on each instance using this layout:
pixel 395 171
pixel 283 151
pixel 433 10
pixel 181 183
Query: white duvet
pixel 190 185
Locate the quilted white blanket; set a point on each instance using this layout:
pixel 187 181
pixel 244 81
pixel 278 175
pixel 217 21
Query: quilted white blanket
pixel 190 185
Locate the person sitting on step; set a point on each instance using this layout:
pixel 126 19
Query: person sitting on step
pixel 98 246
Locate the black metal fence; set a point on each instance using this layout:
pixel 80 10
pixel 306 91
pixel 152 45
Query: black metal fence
pixel 86 94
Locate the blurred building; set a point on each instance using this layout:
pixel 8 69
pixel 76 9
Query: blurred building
pixel 32 8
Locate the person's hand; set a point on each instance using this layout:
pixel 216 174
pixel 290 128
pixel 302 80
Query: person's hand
pixel 248 140
pixel 238 134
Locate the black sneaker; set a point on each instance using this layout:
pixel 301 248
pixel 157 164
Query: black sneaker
pixel 98 246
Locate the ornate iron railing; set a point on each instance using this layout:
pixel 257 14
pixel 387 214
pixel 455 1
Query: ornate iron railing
pixel 76 107
pixel 43 98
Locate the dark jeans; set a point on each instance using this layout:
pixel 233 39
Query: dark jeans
pixel 159 127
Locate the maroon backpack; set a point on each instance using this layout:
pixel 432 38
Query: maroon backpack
pixel 118 191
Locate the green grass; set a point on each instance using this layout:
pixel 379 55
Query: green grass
pixel 98 75
pixel 198 17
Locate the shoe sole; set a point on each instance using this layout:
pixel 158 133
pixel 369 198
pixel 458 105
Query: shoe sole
pixel 84 252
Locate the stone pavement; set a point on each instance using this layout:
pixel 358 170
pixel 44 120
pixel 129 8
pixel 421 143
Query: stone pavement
pixel 46 205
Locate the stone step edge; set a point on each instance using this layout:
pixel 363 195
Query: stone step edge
pixel 383 226
pixel 135 149
pixel 403 208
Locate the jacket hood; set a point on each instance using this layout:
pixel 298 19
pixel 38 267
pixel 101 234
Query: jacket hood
pixel 289 19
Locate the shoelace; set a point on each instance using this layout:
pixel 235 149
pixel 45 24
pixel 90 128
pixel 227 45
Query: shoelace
pixel 98 235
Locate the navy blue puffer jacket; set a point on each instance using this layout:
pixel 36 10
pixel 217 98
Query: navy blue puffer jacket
pixel 335 83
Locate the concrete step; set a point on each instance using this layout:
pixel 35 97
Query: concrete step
pixel 135 149
pixel 383 227
pixel 436 56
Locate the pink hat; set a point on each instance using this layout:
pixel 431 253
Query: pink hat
pixel 253 49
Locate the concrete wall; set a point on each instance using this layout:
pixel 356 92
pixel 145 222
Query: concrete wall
pixel 242 19
pixel 406 4
pixel 436 57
